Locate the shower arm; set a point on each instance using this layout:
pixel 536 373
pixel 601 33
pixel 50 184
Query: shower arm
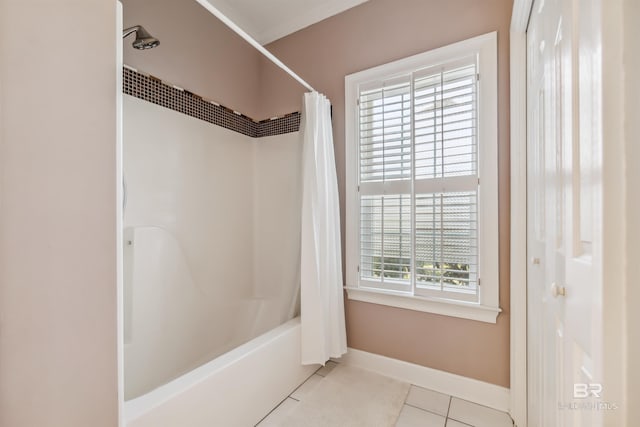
pixel 130 30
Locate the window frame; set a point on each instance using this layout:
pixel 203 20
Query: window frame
pixel 486 309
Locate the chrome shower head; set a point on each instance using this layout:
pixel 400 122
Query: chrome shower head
pixel 143 40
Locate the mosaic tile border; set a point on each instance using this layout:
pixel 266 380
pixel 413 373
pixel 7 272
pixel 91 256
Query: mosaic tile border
pixel 279 125
pixel 154 90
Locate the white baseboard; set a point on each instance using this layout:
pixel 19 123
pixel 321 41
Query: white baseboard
pixel 476 391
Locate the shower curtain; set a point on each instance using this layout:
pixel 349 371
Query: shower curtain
pixel 321 300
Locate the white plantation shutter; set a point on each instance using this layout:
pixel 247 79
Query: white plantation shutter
pixel 445 120
pixel 419 183
pixel 385 132
pixel 385 157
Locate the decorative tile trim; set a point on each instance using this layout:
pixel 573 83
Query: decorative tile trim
pixel 279 125
pixel 156 91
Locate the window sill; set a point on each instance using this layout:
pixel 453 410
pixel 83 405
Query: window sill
pixel 481 313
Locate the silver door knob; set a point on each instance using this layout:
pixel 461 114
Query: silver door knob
pixel 557 291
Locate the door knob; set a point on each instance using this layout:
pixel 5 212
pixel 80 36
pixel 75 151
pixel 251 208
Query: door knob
pixel 557 291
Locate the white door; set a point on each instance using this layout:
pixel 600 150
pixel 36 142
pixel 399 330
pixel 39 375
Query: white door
pixel 564 127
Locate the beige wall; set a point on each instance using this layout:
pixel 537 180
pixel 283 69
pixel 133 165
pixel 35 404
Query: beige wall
pixel 375 33
pixel 632 106
pixel 197 52
pixel 58 293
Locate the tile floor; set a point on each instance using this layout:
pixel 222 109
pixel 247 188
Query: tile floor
pixel 422 408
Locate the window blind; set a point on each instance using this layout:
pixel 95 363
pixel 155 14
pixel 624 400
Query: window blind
pixel 418 182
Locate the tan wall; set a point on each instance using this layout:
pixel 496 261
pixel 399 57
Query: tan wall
pixel 632 107
pixel 58 293
pixel 375 33
pixel 197 52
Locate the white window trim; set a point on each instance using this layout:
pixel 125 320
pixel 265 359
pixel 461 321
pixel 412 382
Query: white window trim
pixel 487 309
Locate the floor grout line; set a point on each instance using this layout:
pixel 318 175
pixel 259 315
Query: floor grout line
pixel 425 410
pixel 453 419
pixel 403 403
pixel 317 372
pixel 271 411
pixel 303 382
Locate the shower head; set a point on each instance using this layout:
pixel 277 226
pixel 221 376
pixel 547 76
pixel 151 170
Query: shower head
pixel 143 40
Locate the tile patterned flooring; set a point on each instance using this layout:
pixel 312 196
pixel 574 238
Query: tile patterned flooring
pixel 422 408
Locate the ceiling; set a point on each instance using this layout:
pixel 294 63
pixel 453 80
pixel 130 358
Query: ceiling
pixel 269 20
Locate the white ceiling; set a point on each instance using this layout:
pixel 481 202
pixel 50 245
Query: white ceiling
pixel 269 20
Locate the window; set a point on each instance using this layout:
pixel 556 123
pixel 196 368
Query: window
pixel 422 203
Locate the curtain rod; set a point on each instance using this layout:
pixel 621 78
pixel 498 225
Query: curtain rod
pixel 229 23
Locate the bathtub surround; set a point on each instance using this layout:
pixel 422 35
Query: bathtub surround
pixel 210 220
pixel 322 303
pixel 171 165
pixel 155 90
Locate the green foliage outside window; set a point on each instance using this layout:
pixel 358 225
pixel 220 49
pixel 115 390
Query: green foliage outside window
pixel 398 268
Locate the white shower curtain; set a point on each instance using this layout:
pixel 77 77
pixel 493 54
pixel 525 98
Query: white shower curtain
pixel 321 301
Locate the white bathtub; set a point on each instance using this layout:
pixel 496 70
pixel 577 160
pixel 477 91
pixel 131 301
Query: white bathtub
pixel 236 389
